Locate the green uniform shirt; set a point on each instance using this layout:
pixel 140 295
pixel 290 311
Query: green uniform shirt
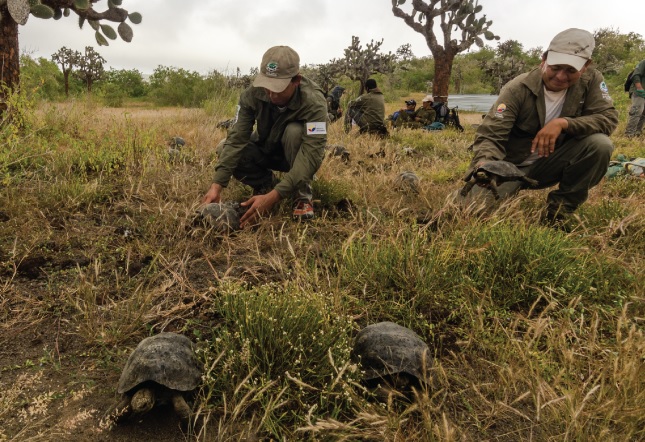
pixel 427 116
pixel 368 110
pixel 518 114
pixel 308 106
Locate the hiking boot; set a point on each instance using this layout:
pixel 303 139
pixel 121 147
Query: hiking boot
pixel 303 210
pixel 558 220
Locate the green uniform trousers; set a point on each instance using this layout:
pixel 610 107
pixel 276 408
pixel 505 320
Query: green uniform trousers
pixel 577 165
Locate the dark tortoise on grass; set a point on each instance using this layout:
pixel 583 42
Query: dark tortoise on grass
pixel 221 217
pixel 174 148
pixel 493 173
pixel 407 182
pixel 391 353
pixel 161 369
pixel 338 150
pixel 176 142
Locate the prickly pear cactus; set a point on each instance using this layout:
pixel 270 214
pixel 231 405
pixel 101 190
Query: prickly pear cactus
pixel 19 10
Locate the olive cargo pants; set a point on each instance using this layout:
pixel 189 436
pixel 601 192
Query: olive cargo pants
pixel 636 117
pixel 577 165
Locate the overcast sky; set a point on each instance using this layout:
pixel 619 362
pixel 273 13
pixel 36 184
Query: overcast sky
pixel 206 35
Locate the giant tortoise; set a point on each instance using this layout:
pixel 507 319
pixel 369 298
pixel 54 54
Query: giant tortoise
pixel 392 353
pixel 162 369
pixel 493 173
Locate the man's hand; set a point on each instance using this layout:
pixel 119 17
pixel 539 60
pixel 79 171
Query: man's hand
pixel 640 93
pixel 258 205
pixel 545 139
pixel 214 194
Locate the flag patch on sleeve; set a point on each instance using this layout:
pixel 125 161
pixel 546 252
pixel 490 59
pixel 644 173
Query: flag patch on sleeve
pixel 317 128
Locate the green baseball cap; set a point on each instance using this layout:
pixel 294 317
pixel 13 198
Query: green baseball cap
pixel 572 47
pixel 279 65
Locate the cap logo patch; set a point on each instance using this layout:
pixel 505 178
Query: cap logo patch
pixel 272 68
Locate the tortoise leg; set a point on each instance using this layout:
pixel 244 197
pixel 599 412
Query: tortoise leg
pixel 181 408
pixel 493 188
pixel 143 400
pixel 120 412
pixel 531 182
pixel 467 187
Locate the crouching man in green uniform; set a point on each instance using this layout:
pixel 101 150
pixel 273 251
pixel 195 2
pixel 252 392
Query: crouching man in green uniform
pixel 290 114
pixel 554 124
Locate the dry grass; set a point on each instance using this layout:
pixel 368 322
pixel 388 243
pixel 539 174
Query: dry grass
pixel 97 251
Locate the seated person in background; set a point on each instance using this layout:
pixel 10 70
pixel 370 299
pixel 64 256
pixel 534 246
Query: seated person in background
pixel 426 115
pixel 368 111
pixel 404 116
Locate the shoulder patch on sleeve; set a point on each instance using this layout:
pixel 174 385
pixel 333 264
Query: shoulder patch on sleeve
pixel 317 128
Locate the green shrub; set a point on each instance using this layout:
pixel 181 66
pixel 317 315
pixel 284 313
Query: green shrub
pixel 513 263
pixel 290 343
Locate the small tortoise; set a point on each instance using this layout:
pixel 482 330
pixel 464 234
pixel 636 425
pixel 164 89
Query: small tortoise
pixel 407 182
pixel 161 369
pixel 493 173
pixel 221 217
pixel 391 352
pixel 176 142
pixel 338 150
pixel 174 148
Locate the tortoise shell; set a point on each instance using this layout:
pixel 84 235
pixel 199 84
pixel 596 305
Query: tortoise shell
pixel 501 168
pixel 387 348
pixel 407 181
pixel 222 217
pixel 167 359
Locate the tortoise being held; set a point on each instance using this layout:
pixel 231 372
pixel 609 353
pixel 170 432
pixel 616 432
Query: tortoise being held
pixel 221 217
pixel 493 173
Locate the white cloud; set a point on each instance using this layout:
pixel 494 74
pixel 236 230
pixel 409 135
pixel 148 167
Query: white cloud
pixel 203 35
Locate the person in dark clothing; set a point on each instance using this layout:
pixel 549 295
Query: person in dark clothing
pixel 637 110
pixel 334 110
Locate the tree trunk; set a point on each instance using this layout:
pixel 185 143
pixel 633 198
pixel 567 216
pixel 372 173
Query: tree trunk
pixel 442 72
pixel 66 77
pixel 9 55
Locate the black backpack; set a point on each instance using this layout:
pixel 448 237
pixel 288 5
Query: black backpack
pixel 628 81
pixel 442 110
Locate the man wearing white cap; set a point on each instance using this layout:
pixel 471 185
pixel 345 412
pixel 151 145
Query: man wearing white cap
pixel 290 117
pixel 554 124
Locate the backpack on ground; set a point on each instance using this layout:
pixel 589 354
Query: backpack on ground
pixel 628 81
pixel 442 111
pixel 452 119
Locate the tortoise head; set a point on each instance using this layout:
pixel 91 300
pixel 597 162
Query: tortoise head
pixel 483 176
